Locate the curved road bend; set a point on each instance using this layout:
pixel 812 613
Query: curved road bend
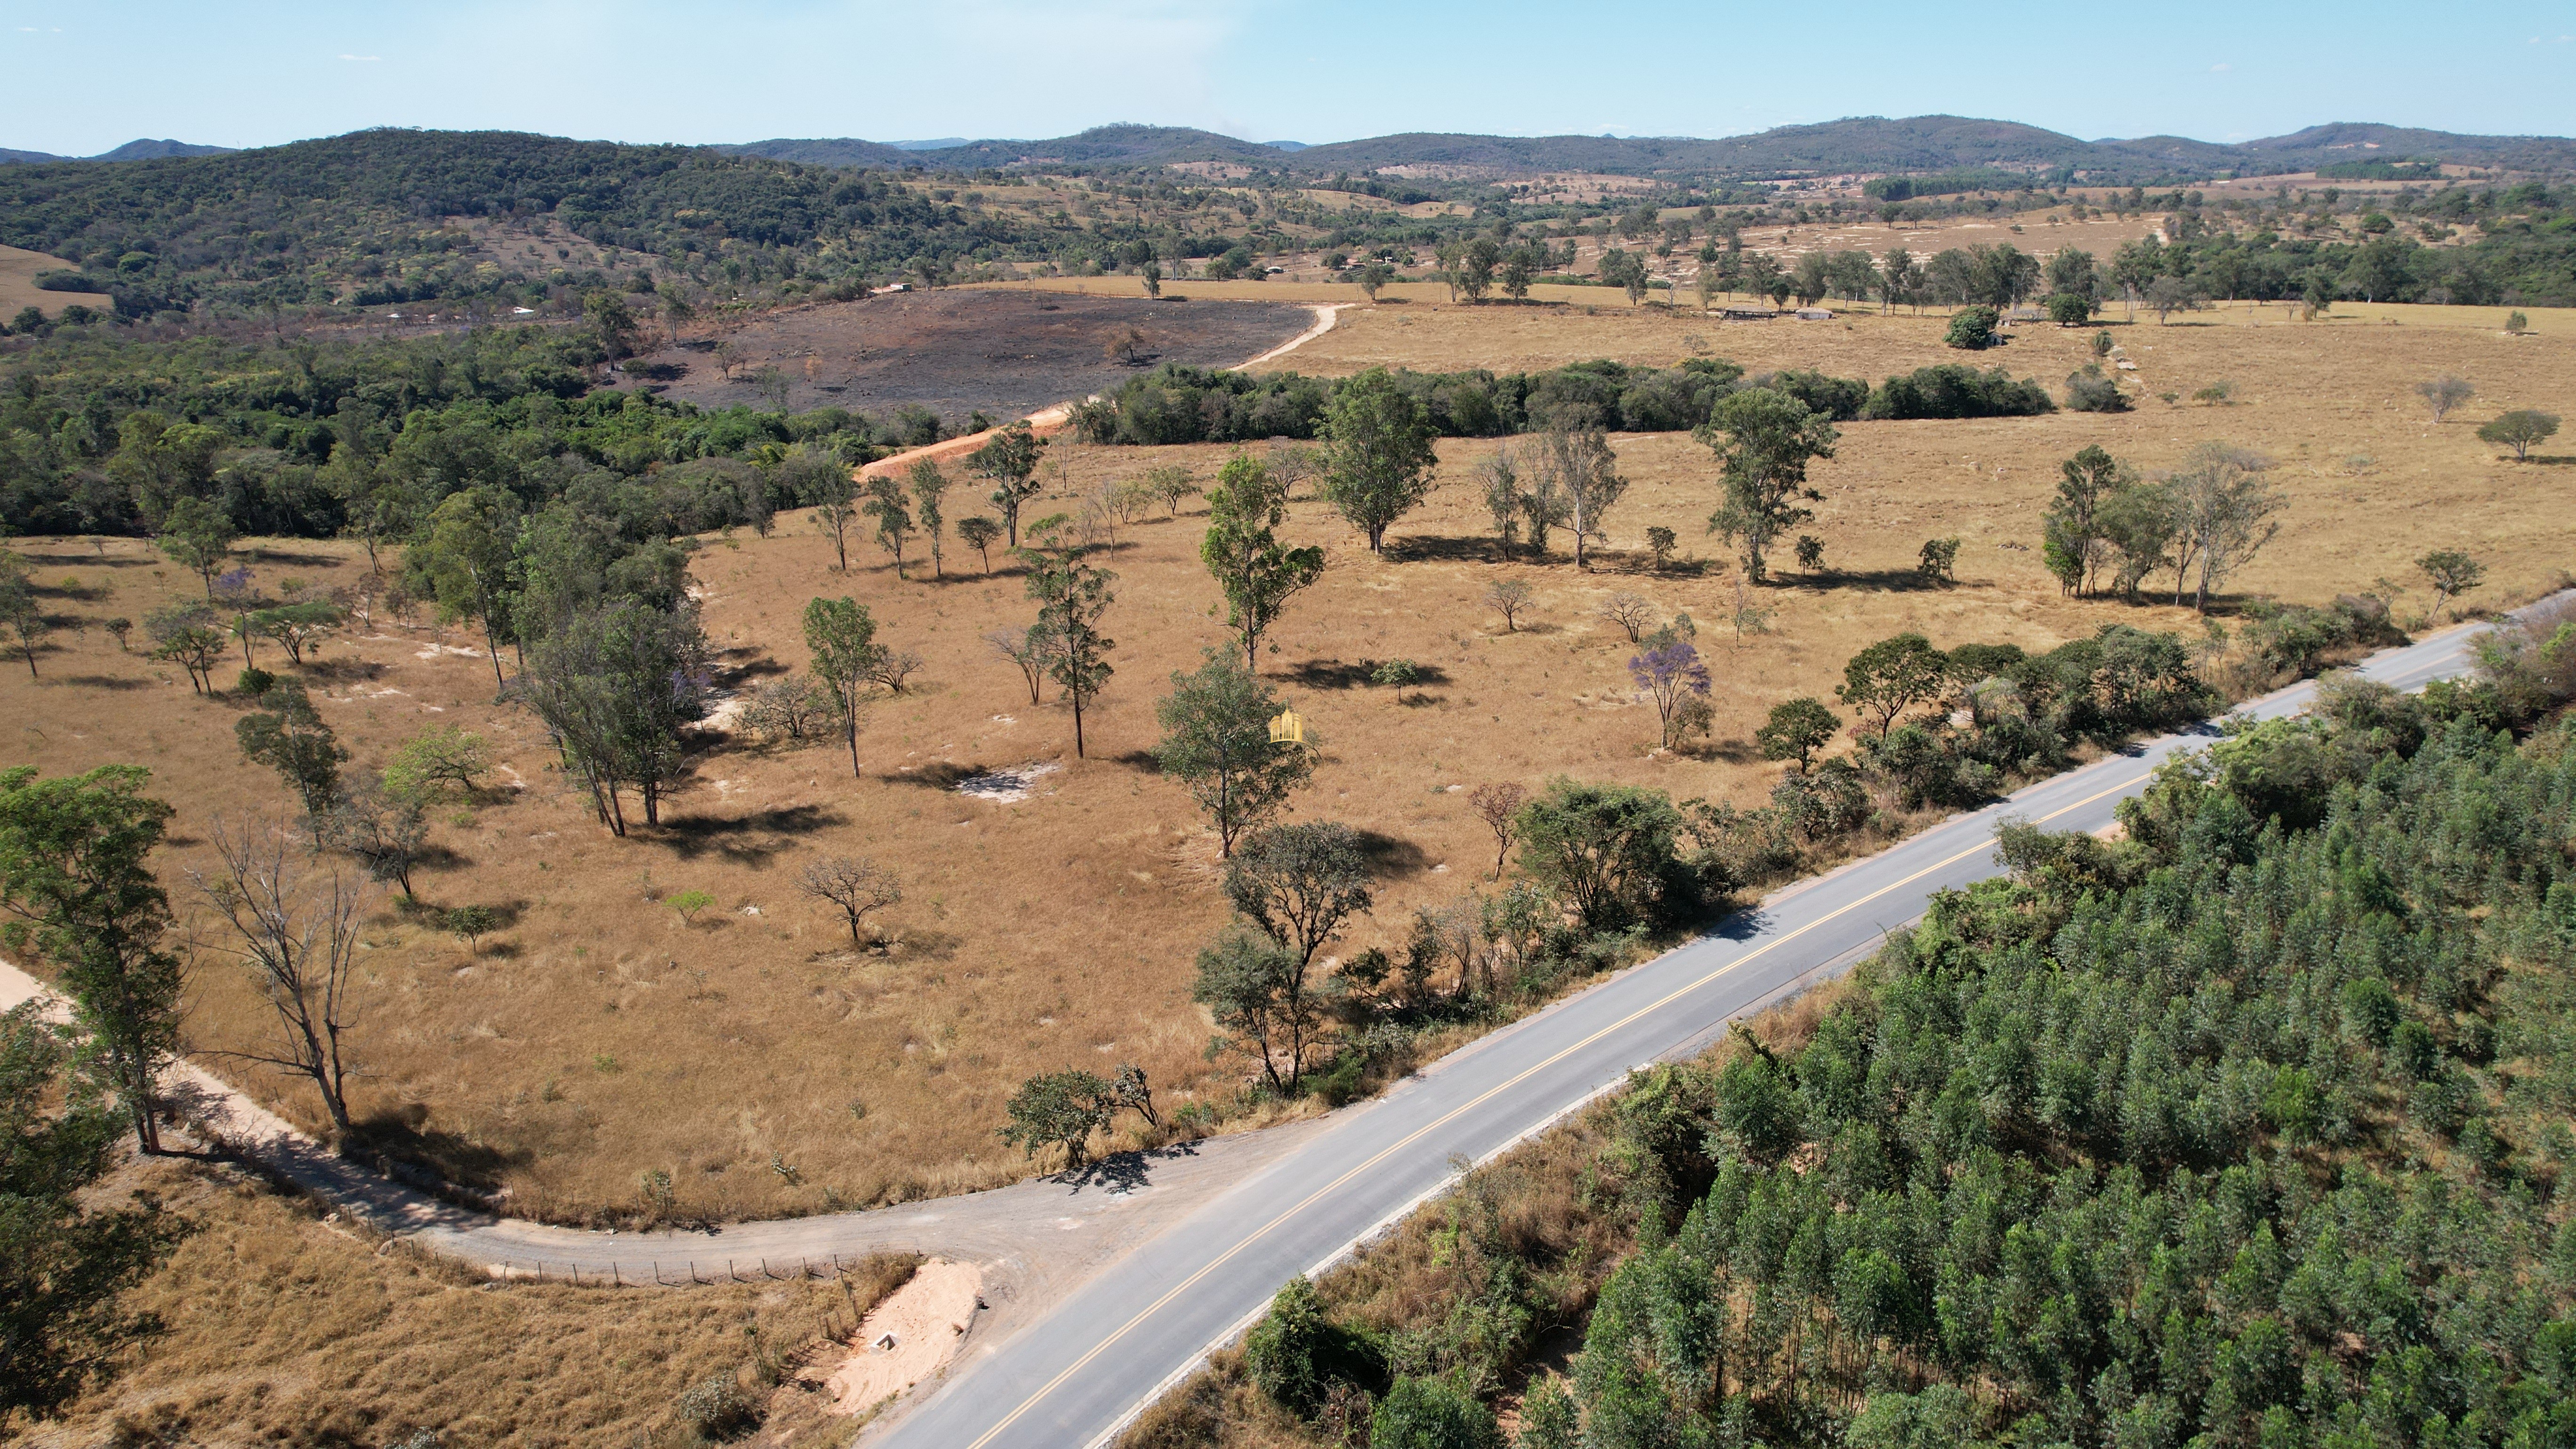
pixel 1079 1373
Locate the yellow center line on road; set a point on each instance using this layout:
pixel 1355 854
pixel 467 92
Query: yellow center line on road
pixel 1454 1113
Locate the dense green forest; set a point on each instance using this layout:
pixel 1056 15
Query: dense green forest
pixel 102 431
pixel 2251 1128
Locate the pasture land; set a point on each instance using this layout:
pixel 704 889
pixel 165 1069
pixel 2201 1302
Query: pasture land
pixel 18 289
pixel 769 1068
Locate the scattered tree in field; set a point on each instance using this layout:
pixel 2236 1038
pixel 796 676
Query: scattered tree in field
pixel 1508 597
pixel 1400 674
pixel 1169 483
pixel 442 762
pixel 1972 329
pixel 1578 463
pixel 836 508
pixel 1062 1109
pixel 1797 729
pixel 894 520
pixel 1153 275
pixel 1892 676
pixel 2088 391
pixel 893 667
pixel 2077 536
pixel 929 492
pixel 792 707
pixel 297 935
pixel 198 536
pixel 470 924
pixel 1026 649
pixel 1634 613
pixel 2219 394
pixel 2221 505
pixel 1010 461
pixel 1627 271
pixel 1258 991
pixel 21 612
pixel 841 635
pixel 297 628
pixel 1300 883
pixel 64 1324
pixel 2067 309
pixel 2519 430
pixel 1660 542
pixel 1499 477
pixel 1498 804
pixel 1216 742
pixel 1667 673
pixel 854 885
pixel 688 904
pixel 2452 574
pixel 384 828
pixel 1072 597
pixel 2443 393
pixel 1764 439
pixel 616 687
pixel 979 533
pixel 1378 457
pixel 118 628
pixel 289 735
pixel 1811 553
pixel 76 883
pixel 1939 561
pixel 2167 295
pixel 186 633
pixel 1257 574
pixel 1370 277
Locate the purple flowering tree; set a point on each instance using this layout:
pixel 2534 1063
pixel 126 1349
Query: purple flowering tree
pixel 1667 673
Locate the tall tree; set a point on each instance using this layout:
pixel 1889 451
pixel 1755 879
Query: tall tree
pixel 1379 456
pixel 298 938
pixel 1010 460
pixel 894 521
pixel 2076 540
pixel 287 734
pixel 1216 742
pixel 842 637
pixel 615 687
pixel 1072 597
pixel 76 879
pixel 21 612
pixel 68 1259
pixel 463 560
pixel 929 492
pixel 2222 506
pixel 1257 574
pixel 1764 439
pixel 1574 456
pixel 198 536
pixel 1892 676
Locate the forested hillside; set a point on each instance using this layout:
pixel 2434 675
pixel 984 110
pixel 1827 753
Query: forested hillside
pixel 2249 1129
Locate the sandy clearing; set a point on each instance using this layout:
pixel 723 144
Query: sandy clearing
pixel 1325 317
pixel 913 1335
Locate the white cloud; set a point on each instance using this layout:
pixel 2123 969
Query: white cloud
pixel 362 57
pixel 2220 68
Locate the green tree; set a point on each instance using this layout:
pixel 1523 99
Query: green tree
pixel 1474 272
pixel 1764 440
pixel 1892 676
pixel 443 762
pixel 1257 574
pixel 76 878
pixel 1297 1352
pixel 929 491
pixel 21 612
pixel 1058 1109
pixel 1972 329
pixel 979 533
pixel 1010 461
pixel 185 632
pixel 1378 453
pixel 1300 884
pixel 66 1258
pixel 1606 851
pixel 894 521
pixel 617 687
pixel 1216 742
pixel 197 535
pixel 464 560
pixel 1255 989
pixel 2221 505
pixel 287 734
pixel 1627 271
pixel 841 635
pixel 1573 458
pixel 2076 531
pixel 1072 597
pixel 298 628
pixel 2519 430
pixel 612 323
pixel 1797 729
pixel 2452 573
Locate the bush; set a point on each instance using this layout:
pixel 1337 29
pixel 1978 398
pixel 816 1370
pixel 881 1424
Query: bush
pixel 1296 1353
pixel 1427 1413
pixel 718 1408
pixel 1608 852
pixel 2070 309
pixel 2089 391
pixel 1950 390
pixel 1973 329
pixel 254 682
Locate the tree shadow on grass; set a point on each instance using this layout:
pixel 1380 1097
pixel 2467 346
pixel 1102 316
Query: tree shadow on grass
pixel 1884 581
pixel 1420 548
pixel 1355 674
pixel 749 839
pixel 92 561
pixel 102 681
pixel 941 775
pixel 1392 856
pixel 291 559
pixel 400 1141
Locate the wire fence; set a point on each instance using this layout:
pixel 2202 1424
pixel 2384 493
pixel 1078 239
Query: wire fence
pixel 686 1272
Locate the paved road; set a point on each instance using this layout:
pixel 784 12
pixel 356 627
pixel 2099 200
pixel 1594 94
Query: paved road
pixel 1076 1375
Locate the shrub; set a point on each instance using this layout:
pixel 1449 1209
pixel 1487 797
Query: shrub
pixel 1973 329
pixel 1609 852
pixel 2520 429
pixel 1950 390
pixel 2070 309
pixel 1296 1353
pixel 1940 560
pixel 254 682
pixel 2088 391
pixel 718 1408
pixel 1427 1413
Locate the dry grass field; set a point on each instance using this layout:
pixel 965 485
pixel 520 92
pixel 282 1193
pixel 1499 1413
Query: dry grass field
pixel 601 1035
pixel 18 289
pixel 285 1327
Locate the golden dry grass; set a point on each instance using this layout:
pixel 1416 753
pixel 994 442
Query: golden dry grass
pixel 603 1036
pixel 18 289
pixel 285 1327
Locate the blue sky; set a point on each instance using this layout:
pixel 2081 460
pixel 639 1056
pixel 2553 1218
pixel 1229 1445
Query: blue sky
pixel 84 75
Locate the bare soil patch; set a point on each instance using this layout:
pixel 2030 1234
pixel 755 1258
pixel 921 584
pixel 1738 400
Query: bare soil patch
pixel 1006 351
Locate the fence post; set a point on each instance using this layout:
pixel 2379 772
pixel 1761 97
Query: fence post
pixel 613 1280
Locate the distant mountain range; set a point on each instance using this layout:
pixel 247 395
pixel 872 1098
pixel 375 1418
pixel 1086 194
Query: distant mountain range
pixel 1873 144
pixel 130 151
pixel 1865 143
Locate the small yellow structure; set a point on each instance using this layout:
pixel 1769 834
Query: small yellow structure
pixel 1288 729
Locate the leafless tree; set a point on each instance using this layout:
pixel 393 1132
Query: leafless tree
pixel 2444 393
pixel 1631 612
pixel 1508 597
pixel 1026 648
pixel 297 932
pixel 2222 506
pixel 893 667
pixel 1499 806
pixel 854 884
